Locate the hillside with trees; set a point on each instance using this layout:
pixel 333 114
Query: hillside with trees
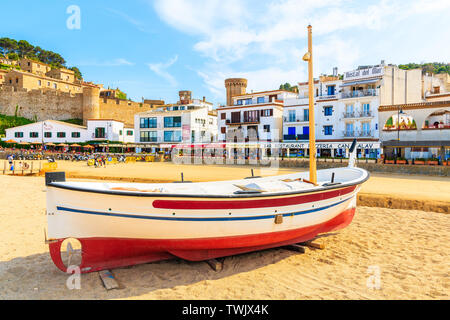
pixel 428 67
pixel 15 50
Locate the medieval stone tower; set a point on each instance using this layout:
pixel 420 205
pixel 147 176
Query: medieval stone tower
pixel 91 103
pixel 235 86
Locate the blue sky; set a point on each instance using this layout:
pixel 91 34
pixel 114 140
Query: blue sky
pixel 154 48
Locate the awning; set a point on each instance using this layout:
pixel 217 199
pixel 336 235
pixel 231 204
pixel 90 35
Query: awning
pixel 353 83
pixel 422 144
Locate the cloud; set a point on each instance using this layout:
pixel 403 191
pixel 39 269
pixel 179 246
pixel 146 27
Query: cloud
pixel 161 70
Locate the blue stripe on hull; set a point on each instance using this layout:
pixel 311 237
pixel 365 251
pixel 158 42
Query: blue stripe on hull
pixel 119 215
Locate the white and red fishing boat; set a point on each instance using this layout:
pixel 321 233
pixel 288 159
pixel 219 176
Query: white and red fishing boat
pixel 123 224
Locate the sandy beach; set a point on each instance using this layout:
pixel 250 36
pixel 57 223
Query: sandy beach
pixel 409 248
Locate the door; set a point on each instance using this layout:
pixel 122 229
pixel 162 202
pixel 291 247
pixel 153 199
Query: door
pixel 291 131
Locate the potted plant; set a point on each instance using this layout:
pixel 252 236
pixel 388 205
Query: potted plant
pixel 389 160
pixel 446 163
pixel 401 161
pixel 433 162
pixel 419 161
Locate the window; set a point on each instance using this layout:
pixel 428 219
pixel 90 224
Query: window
pixel 331 90
pixel 266 128
pixel 172 136
pixel 305 115
pixel 366 128
pixel 248 101
pixel 328 130
pixel 172 122
pixel 366 109
pixel 34 135
pixel 100 133
pixel 223 116
pixel 175 108
pixel 61 134
pixel 349 109
pixel 39 83
pixel 349 129
pixel 47 134
pixel 260 99
pixel 267 113
pixel 76 134
pixel 182 107
pixel 239 102
pixel 223 130
pixel 236 117
pixel 251 116
pixel 48 84
pixel 292 116
pixel 148 123
pixel 120 132
pixel 54 86
pixel 18 134
pixel 328 111
pixel 129 132
pixel 149 136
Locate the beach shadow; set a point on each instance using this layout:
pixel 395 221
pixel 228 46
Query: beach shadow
pixel 36 277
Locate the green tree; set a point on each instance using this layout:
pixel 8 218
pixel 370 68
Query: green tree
pixel 24 49
pixel 8 45
pixel 77 71
pixel 13 56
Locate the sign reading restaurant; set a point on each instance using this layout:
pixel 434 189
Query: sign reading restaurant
pixel 364 73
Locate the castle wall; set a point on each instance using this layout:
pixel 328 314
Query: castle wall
pixel 122 110
pixel 40 104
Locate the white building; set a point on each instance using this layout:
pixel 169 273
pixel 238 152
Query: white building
pixel 253 116
pixel 346 107
pixel 176 124
pixel 52 131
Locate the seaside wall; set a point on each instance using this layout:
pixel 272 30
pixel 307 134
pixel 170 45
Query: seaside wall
pixel 40 104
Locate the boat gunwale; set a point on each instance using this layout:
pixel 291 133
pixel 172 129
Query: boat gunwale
pixel 230 196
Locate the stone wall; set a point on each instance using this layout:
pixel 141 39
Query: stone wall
pixel 122 110
pixel 56 105
pixel 40 104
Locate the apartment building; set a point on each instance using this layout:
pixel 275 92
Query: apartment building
pixel 252 116
pixel 194 122
pixel 346 108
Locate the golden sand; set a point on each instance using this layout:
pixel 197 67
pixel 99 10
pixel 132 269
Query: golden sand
pixel 409 248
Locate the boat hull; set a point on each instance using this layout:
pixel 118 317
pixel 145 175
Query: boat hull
pixel 115 234
pixel 109 253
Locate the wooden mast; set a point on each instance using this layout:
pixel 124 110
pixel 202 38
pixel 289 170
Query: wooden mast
pixel 312 129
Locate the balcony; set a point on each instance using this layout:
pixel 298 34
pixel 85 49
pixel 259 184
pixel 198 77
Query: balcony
pixel 295 137
pixel 327 97
pixel 359 93
pixel 358 134
pixel 295 119
pixel 358 114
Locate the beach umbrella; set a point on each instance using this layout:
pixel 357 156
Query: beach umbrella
pixel 11 141
pixel 36 143
pixel 88 146
pixel 50 144
pixel 23 143
pixel 62 145
pixel 75 145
